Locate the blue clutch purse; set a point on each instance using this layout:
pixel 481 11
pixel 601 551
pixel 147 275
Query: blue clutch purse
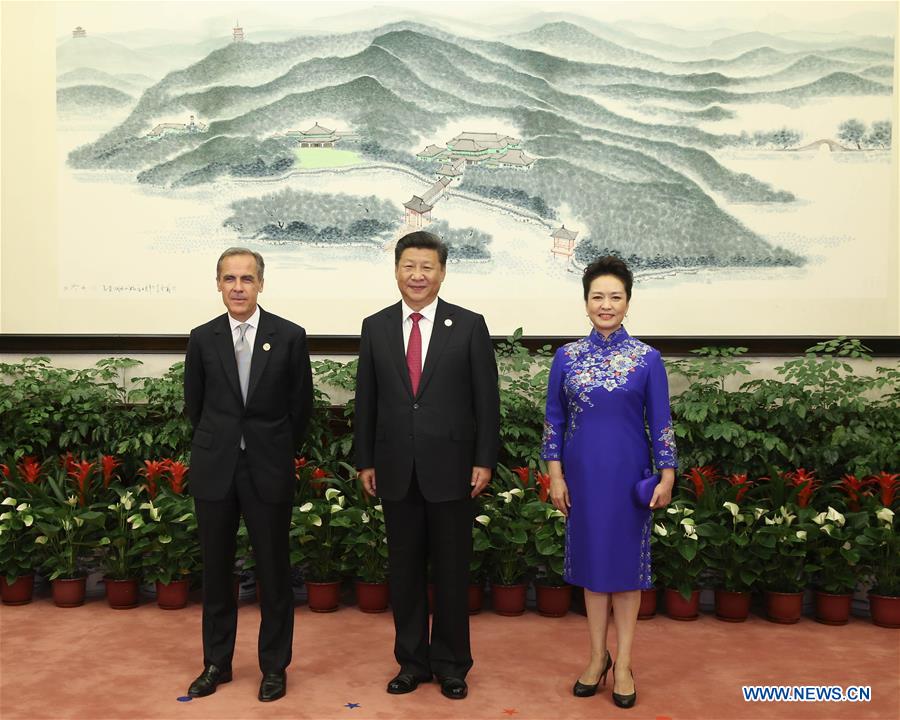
pixel 643 489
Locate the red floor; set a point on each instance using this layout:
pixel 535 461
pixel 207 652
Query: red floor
pixel 97 663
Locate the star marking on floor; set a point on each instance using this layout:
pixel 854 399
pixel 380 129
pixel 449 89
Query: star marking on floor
pixel 352 705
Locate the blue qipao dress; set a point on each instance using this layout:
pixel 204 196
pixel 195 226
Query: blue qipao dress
pixel 599 394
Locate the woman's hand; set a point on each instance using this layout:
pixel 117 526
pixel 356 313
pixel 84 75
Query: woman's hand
pixel 662 495
pixel 559 491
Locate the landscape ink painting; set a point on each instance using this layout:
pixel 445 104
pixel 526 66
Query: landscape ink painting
pixel 738 155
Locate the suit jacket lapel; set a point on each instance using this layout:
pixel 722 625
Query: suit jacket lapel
pixel 260 357
pixel 440 333
pixel 225 347
pixel 394 336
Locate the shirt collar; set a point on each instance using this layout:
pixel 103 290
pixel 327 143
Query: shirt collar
pixel 252 321
pixel 428 312
pixel 620 335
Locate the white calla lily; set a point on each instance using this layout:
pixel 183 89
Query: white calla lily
pixel 732 508
pixel 483 519
pixel 886 515
pixel 9 501
pixel 332 493
pixel 660 530
pixel 835 517
pixel 306 507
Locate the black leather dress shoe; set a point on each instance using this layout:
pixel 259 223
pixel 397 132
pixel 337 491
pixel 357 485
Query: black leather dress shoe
pixel 272 687
pixel 208 681
pixel 454 688
pixel 405 683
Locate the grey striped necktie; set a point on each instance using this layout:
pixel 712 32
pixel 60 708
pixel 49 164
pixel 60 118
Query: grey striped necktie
pixel 242 355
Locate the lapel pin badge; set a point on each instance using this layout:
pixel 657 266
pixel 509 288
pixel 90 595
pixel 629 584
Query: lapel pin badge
pixel 448 322
pixel 267 347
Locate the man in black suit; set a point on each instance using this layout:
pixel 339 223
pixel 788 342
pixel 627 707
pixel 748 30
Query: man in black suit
pixel 427 425
pixel 248 393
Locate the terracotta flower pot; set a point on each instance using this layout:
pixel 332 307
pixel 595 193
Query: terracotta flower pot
pixel 122 594
pixel 173 595
pixel 648 604
pixel 508 599
pixel 20 592
pixel 553 600
pixel 784 608
pixel 476 598
pixel 833 609
pixel 885 610
pixel 69 592
pixel 371 597
pixel 732 606
pixel 323 597
pixel 678 608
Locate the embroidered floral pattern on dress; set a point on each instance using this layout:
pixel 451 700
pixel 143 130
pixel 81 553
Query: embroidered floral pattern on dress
pixel 646 571
pixel 666 454
pixel 550 442
pixel 599 362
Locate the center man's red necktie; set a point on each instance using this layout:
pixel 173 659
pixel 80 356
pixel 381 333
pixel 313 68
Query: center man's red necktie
pixel 414 352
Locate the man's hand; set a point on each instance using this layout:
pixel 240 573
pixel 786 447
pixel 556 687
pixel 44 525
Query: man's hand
pixel 481 476
pixel 367 477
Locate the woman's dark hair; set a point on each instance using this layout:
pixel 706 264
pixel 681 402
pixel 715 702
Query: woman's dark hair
pixel 423 240
pixel 608 265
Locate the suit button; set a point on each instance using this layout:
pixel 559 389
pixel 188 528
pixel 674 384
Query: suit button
pixel 415 406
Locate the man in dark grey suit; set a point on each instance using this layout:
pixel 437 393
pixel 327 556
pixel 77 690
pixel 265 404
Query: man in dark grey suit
pixel 248 394
pixel 426 425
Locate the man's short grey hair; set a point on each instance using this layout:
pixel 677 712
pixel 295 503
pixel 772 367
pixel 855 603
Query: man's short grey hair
pixel 260 263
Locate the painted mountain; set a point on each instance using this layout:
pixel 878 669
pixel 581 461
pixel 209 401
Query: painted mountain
pixel 617 130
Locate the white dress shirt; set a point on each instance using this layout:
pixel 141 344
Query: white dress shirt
pixel 426 324
pixel 250 335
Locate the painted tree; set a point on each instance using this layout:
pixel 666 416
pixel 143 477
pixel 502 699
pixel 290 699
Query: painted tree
pixel 852 131
pixel 784 138
pixel 880 134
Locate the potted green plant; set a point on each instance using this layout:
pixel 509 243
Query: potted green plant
pixel 121 558
pixel 781 546
pixel 169 545
pixel 18 553
pixel 881 558
pixel 69 533
pixel 678 558
pixel 733 566
pixel 316 546
pixel 835 557
pixel 509 556
pixel 548 535
pixel 365 554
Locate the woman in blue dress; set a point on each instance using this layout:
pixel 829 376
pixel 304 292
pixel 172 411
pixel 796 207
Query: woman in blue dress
pixel 605 391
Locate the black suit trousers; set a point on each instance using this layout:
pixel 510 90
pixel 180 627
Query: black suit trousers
pixel 268 525
pixel 419 531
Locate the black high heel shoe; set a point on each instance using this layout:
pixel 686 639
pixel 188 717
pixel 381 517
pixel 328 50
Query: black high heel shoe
pixel 624 701
pixel 582 690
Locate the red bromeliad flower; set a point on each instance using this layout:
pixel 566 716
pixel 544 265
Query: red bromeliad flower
pixel 316 478
pixel 108 464
pixel 299 464
pixel 887 484
pixel 81 473
pixel 177 471
pixel 30 469
pixel 69 462
pixel 524 474
pixel 5 470
pixel 153 470
pixel 852 486
pixel 740 481
pixel 807 483
pixel 543 485
pixel 701 477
